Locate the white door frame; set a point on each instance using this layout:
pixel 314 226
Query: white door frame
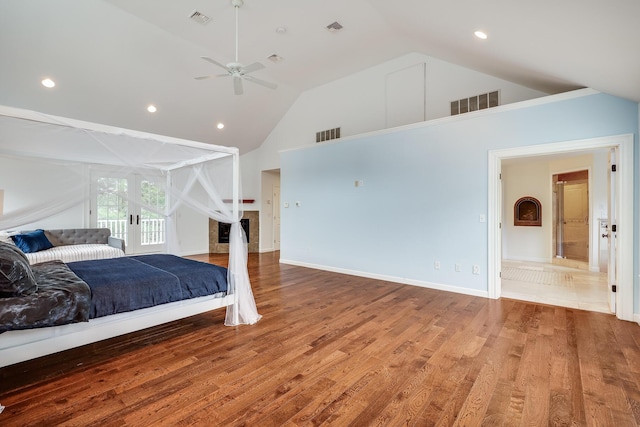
pixel 624 202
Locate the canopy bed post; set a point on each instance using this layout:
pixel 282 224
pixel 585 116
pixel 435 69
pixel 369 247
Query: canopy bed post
pixel 236 217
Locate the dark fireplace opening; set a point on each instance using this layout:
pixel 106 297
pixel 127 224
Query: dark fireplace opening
pixel 224 230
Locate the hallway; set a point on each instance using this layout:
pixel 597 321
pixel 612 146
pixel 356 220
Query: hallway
pixel 555 285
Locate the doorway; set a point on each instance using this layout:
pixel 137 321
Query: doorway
pixel 270 211
pixel 622 181
pixel 132 207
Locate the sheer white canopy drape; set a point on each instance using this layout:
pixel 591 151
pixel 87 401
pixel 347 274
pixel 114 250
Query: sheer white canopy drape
pixel 205 178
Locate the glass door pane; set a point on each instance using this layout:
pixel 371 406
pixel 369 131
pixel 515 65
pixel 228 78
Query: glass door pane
pixel 112 207
pixel 152 229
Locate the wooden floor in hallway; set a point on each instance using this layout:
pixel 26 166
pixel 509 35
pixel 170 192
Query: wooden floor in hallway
pixel 341 350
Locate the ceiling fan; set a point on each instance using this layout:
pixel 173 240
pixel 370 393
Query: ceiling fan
pixel 235 69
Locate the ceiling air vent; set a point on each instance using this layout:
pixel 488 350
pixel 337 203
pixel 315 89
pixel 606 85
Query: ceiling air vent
pixel 478 102
pixel 199 17
pixel 326 135
pixel 334 27
pixel 275 58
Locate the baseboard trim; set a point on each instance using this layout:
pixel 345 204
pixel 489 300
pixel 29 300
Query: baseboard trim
pixel 636 318
pixel 401 280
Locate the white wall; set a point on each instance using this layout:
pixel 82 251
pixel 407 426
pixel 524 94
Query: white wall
pixel 358 104
pixel 28 183
pixel 425 187
pixel 530 179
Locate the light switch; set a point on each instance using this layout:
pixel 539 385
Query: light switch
pixel 286 204
pixel 483 218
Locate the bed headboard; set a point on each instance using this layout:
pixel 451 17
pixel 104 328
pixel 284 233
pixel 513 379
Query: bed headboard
pixel 76 236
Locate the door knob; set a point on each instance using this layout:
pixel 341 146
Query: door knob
pixel 605 235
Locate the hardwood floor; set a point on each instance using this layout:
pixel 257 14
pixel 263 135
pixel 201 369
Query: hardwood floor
pixel 341 350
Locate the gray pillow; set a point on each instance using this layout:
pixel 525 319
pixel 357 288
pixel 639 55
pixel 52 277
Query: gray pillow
pixel 16 277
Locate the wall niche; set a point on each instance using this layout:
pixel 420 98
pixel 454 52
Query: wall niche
pixel 527 211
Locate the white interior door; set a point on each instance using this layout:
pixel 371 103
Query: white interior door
pixel 612 244
pixel 276 217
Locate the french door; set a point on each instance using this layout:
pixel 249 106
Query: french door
pixel 132 207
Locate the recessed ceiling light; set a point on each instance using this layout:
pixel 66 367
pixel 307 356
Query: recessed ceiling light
pixel 281 30
pixel 48 83
pixel 152 108
pixel 220 125
pixel 481 35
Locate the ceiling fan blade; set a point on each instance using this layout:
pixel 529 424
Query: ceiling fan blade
pixel 252 67
pixel 212 76
pixel 261 82
pixel 214 62
pixel 237 85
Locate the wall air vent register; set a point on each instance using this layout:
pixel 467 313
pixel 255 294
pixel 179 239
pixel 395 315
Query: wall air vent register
pixel 327 135
pixel 474 103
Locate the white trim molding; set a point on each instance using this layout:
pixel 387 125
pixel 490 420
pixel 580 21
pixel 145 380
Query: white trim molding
pixel 401 280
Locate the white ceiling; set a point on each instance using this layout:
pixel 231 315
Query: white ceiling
pixel 111 58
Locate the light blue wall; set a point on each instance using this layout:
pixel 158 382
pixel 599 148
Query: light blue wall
pixel 424 189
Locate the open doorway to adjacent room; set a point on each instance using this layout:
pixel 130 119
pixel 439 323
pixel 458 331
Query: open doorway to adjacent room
pixel 551 261
pixel 270 211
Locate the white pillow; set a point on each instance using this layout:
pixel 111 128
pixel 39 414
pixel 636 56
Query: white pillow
pixel 5 236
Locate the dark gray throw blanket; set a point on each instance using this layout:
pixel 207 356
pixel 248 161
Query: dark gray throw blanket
pixel 130 283
pixel 78 291
pixel 61 298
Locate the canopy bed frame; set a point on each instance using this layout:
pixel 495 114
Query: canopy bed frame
pixel 190 168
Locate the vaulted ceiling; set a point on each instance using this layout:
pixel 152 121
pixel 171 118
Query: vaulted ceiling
pixel 110 59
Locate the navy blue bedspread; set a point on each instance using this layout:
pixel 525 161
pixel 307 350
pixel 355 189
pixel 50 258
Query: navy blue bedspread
pixel 130 283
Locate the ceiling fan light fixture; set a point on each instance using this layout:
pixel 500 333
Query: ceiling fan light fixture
pixel 220 125
pixel 236 69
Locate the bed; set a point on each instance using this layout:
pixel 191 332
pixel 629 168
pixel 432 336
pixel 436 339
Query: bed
pixel 200 181
pixel 42 302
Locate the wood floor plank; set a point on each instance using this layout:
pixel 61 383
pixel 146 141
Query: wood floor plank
pixel 343 350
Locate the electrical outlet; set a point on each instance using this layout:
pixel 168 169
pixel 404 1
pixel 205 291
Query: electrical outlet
pixel 436 265
pixel 476 269
pixel 458 267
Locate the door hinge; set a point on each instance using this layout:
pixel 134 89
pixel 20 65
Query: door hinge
pixel 500 274
pixel 500 176
pixel 500 225
pixel 614 288
pixel 614 228
pixel 614 168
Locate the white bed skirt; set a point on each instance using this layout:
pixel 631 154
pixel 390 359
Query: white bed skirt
pixel 18 346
